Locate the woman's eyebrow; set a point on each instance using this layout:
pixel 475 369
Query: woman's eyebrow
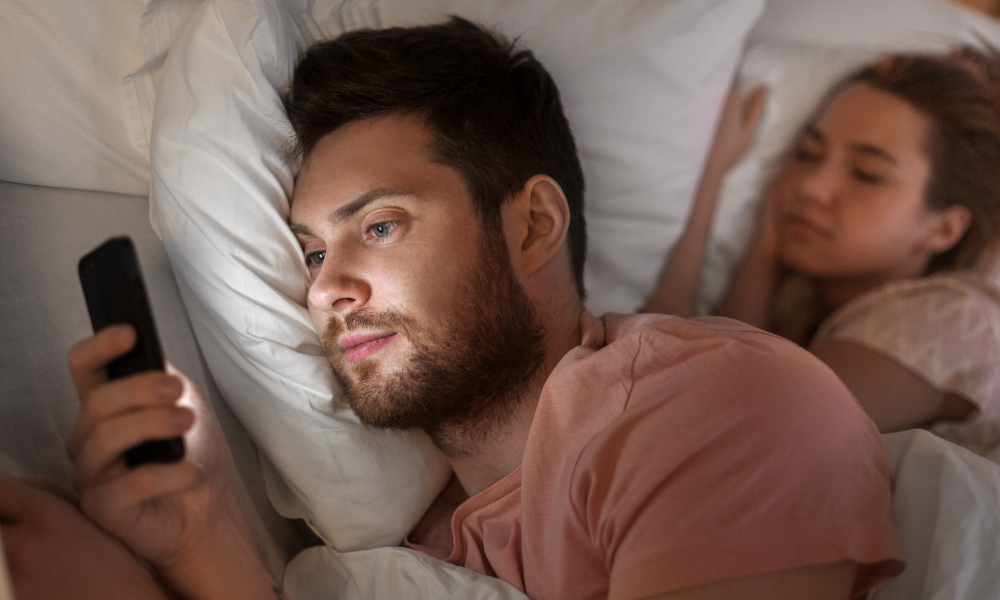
pixel 874 151
pixel 810 131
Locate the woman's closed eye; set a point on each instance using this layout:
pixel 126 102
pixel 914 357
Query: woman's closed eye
pixel 810 155
pixel 868 177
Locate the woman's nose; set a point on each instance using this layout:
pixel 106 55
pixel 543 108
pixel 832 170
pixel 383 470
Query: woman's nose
pixel 819 184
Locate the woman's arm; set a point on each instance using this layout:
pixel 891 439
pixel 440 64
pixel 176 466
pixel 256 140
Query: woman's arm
pixel 677 289
pixel 892 396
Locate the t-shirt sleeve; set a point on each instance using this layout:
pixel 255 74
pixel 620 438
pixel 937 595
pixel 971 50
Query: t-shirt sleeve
pixel 737 455
pixel 944 330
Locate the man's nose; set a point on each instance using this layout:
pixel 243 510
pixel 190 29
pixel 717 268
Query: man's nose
pixel 337 288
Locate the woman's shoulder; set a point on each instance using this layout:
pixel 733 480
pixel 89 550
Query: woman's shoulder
pixel 944 328
pixel 958 302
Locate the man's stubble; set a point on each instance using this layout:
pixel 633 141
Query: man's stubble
pixel 464 381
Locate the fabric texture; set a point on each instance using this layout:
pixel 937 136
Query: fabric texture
pixel 944 508
pixel 675 453
pixel 944 329
pixel 62 120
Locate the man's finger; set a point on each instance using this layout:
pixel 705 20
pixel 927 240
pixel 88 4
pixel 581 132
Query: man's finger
pixel 118 397
pixel 89 358
pixel 125 495
pixel 111 437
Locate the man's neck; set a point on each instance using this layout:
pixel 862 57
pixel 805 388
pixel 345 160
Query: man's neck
pixel 485 460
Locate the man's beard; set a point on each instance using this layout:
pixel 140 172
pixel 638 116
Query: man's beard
pixel 464 381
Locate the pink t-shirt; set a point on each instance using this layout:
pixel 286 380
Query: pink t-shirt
pixel 666 453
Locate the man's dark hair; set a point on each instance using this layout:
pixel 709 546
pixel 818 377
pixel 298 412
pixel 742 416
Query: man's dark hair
pixel 493 109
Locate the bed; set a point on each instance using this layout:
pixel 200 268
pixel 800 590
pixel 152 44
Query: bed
pixel 161 120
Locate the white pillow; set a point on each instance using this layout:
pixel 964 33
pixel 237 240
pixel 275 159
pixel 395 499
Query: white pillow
pixel 61 106
pixel 641 83
pixel 799 49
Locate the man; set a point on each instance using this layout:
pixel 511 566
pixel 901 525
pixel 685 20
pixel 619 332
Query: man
pixel 624 457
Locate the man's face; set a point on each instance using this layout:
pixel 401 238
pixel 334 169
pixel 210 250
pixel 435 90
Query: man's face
pixel 415 300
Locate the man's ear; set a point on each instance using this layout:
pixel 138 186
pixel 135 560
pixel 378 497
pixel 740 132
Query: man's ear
pixel 947 228
pixel 544 220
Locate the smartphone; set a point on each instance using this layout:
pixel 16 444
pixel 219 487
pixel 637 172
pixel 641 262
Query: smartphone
pixel 112 284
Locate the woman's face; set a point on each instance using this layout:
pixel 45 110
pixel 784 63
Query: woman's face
pixel 849 199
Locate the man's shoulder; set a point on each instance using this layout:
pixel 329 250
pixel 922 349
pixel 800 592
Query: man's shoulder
pixel 700 348
pixel 725 446
pixel 692 380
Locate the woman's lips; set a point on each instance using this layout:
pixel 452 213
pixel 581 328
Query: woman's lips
pixel 359 345
pixel 803 224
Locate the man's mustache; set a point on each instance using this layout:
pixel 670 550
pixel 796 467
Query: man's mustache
pixel 365 319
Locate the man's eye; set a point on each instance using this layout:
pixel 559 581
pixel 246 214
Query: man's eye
pixel 315 259
pixel 382 229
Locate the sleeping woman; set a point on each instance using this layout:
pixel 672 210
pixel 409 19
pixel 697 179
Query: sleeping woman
pixel 876 244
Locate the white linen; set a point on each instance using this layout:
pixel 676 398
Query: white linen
pixel 640 81
pixel 61 107
pixel 946 510
pixel 322 573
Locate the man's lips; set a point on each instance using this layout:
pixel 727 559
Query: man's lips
pixel 359 345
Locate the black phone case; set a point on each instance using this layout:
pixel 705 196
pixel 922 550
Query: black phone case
pixel 112 285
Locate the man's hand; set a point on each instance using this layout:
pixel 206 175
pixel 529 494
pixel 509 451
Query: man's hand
pixel 55 552
pixel 161 510
pixel 182 517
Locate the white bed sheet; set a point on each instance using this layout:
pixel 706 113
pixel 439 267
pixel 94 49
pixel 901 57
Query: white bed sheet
pixel 61 104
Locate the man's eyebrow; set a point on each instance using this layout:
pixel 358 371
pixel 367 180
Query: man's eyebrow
pixel 299 229
pixel 346 212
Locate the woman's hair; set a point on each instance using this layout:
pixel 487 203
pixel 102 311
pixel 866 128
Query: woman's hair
pixel 960 94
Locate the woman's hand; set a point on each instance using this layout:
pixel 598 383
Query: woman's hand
pixel 56 552
pixel 677 289
pixel 767 245
pixel 182 517
pixel 734 133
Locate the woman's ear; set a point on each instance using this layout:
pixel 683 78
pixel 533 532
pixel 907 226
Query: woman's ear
pixel 947 228
pixel 546 221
